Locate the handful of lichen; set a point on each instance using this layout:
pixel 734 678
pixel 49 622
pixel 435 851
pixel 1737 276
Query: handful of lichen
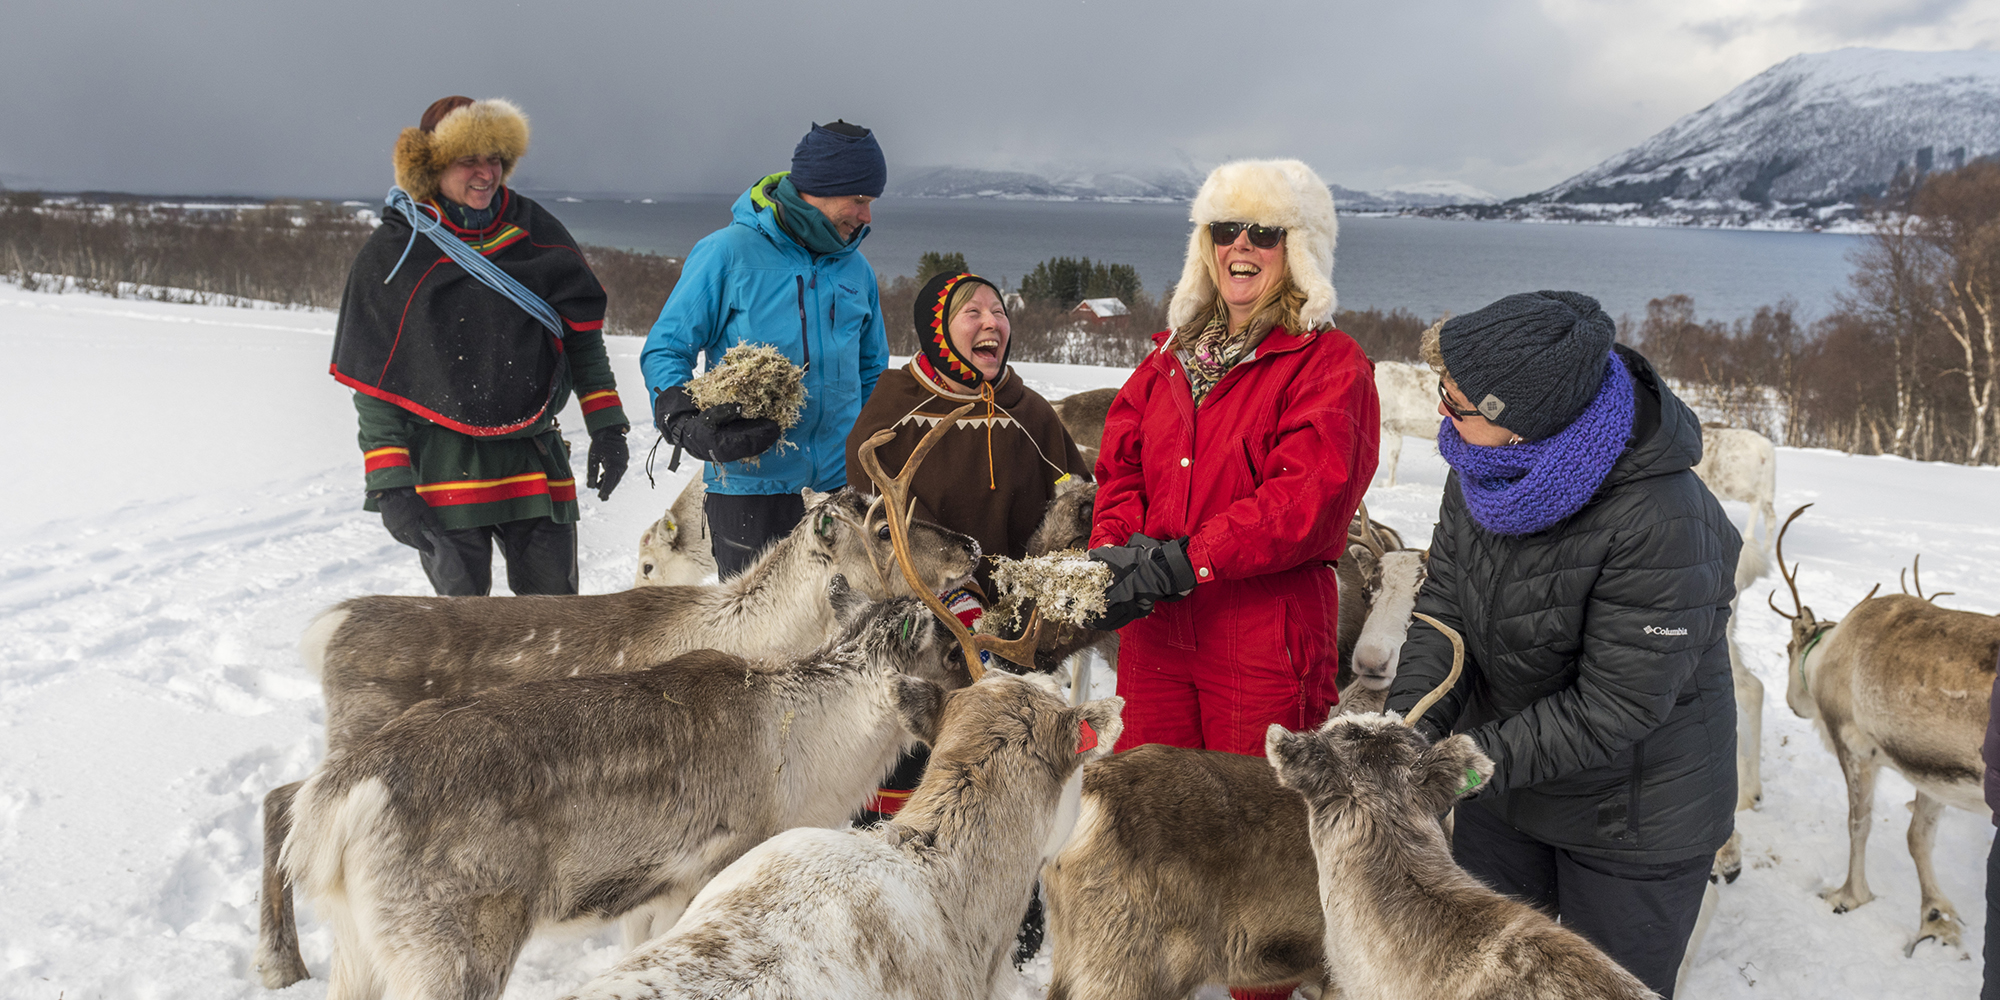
pixel 758 378
pixel 1065 586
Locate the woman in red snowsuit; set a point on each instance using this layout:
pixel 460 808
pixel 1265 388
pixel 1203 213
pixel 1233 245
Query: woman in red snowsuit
pixel 1233 460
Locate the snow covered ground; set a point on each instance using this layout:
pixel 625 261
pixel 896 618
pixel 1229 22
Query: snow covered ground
pixel 190 498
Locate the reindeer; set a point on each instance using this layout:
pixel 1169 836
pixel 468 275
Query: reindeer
pixel 1201 853
pixel 1902 682
pixel 1082 414
pixel 1409 398
pixel 1378 581
pixel 1739 464
pixel 675 549
pixel 924 905
pixel 377 656
pixel 437 845
pixel 1402 918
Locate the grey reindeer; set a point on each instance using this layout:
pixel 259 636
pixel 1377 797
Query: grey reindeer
pixel 1402 918
pixel 436 846
pixel 377 656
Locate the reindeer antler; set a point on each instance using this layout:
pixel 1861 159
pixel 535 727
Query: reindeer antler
pixel 1457 664
pixel 1916 577
pixel 898 507
pixel 1791 576
pixel 1365 535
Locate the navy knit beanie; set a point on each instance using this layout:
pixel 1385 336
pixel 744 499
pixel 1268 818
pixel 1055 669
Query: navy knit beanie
pixel 839 159
pixel 1531 362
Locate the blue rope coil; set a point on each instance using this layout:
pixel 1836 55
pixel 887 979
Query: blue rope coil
pixel 474 263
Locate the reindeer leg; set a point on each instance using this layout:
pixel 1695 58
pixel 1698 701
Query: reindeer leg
pixel 1391 455
pixel 1860 772
pixel 1749 730
pixel 1729 860
pixel 1940 921
pixel 279 963
pixel 1709 899
pixel 654 917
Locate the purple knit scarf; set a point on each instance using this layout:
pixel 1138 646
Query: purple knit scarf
pixel 1519 489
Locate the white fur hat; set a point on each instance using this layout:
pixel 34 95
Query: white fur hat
pixel 1282 193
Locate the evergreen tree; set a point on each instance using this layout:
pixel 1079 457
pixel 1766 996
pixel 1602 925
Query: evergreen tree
pixel 1062 282
pixel 933 263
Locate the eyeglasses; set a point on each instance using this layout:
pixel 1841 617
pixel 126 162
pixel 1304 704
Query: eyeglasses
pixel 1261 237
pixel 1444 395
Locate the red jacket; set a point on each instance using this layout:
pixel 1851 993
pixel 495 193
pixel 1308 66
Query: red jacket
pixel 1266 478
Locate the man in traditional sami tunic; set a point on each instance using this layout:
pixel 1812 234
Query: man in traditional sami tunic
pixel 457 386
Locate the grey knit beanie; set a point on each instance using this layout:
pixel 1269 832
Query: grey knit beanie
pixel 1530 362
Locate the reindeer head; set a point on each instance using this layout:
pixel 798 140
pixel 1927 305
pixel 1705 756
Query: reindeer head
pixel 1374 762
pixel 1391 575
pixel 1019 733
pixel 844 531
pixel 1067 521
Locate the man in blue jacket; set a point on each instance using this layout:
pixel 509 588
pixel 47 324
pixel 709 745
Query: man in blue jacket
pixel 786 272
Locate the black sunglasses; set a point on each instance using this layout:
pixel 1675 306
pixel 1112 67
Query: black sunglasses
pixel 1261 237
pixel 1444 395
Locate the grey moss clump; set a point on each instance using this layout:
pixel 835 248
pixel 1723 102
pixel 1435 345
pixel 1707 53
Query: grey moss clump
pixel 1066 587
pixel 758 378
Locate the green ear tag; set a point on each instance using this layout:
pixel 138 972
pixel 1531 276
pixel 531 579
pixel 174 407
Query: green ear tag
pixel 1472 781
pixel 825 527
pixel 908 626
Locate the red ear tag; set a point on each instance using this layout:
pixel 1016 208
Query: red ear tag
pixel 1086 737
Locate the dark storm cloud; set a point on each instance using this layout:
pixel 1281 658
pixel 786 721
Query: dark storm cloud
pixel 261 97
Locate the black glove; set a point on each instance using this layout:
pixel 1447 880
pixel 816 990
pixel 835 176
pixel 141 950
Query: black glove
pixel 606 464
pixel 1143 572
pixel 408 518
pixel 717 434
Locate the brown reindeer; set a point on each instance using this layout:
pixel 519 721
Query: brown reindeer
pixel 1904 683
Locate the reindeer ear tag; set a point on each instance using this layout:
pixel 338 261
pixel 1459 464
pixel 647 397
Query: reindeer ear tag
pixel 824 529
pixel 1086 737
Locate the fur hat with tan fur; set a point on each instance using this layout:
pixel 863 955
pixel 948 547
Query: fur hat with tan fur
pixel 453 127
pixel 1282 193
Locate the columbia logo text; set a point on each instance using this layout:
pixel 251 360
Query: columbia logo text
pixel 1656 630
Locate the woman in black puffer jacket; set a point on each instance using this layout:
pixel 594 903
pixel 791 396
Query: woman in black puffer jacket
pixel 1590 573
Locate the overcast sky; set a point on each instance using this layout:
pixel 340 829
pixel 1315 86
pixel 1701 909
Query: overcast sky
pixel 277 97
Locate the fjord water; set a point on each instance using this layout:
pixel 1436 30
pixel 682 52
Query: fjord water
pixel 1426 266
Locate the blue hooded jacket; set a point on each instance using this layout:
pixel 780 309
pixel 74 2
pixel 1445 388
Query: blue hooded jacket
pixel 750 283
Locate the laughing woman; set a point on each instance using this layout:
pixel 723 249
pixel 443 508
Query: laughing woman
pixel 991 477
pixel 995 471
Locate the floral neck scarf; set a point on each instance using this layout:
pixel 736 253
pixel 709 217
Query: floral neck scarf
pixel 1214 351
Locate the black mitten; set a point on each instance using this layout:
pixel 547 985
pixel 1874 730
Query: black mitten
pixel 1143 573
pixel 718 434
pixel 409 519
pixel 605 465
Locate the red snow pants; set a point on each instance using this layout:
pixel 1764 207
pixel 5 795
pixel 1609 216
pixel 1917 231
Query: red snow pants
pixel 1214 669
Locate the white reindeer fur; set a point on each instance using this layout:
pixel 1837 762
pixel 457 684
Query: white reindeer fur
pixel 1408 394
pixel 924 906
pixel 312 645
pixel 1282 193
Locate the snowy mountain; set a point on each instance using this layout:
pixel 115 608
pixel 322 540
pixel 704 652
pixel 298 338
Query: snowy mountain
pixel 1151 185
pixel 1050 184
pixel 1803 142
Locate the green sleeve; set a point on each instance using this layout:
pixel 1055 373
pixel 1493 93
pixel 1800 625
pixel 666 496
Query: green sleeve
pixel 596 388
pixel 386 433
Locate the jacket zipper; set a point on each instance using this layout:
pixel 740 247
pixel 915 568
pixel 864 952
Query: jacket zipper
pixel 805 341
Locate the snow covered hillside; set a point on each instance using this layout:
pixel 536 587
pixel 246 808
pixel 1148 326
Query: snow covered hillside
pixel 190 499
pixel 1805 139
